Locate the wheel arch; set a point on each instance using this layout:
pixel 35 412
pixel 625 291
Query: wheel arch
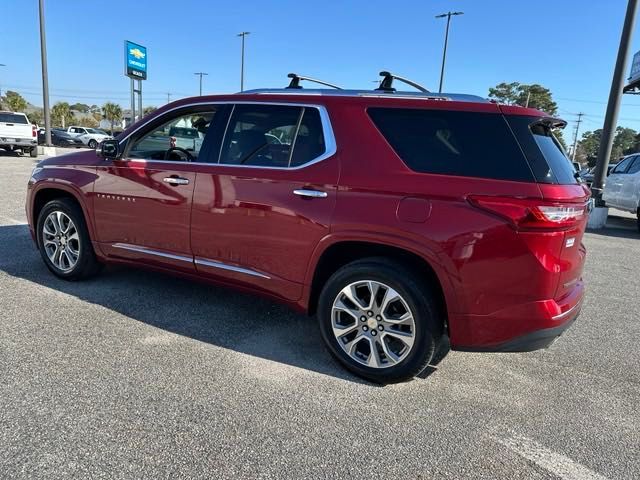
pixel 342 252
pixel 47 193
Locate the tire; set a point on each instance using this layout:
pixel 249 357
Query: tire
pixel 76 243
pixel 93 144
pixel 33 153
pixel 399 361
pixel 638 218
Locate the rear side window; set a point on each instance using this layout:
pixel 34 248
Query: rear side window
pixel 13 118
pixel 279 136
pixel 546 156
pixel 469 144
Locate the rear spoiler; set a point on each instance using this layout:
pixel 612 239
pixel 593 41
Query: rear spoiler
pixel 550 122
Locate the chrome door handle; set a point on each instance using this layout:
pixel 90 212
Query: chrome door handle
pixel 310 193
pixel 176 180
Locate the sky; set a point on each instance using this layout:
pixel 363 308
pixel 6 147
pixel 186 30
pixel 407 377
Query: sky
pixel 568 46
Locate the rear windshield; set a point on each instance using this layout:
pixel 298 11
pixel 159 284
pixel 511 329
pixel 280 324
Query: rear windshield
pixel 546 156
pixel 467 144
pixel 13 118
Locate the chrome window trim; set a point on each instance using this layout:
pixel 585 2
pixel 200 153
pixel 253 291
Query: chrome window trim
pixel 150 251
pixel 327 132
pixel 233 268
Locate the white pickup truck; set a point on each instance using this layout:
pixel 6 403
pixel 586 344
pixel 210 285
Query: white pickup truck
pixel 17 133
pixel 89 136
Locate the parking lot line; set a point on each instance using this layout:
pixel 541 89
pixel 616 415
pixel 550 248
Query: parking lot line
pixel 554 462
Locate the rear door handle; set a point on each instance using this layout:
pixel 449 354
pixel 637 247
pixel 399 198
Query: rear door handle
pixel 310 193
pixel 176 180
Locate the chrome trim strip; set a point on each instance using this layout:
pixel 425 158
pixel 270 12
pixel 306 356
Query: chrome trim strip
pixel 327 130
pixel 224 266
pixel 310 193
pixel 568 312
pixel 150 251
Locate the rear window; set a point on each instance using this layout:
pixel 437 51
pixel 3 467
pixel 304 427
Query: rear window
pixel 546 156
pixel 13 118
pixel 467 144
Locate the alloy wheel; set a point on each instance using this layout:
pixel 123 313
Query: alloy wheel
pixel 373 324
pixel 61 241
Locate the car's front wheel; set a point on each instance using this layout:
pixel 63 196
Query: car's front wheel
pixel 380 320
pixel 64 241
pixel 93 144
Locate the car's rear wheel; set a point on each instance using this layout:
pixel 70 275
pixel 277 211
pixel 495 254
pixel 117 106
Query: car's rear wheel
pixel 379 320
pixel 93 144
pixel 64 241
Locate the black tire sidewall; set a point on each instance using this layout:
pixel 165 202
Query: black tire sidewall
pixel 86 259
pixel 415 293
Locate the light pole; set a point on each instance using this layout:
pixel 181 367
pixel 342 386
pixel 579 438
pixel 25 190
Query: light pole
pixel 613 106
pixel 45 79
pixel 446 41
pixel 242 34
pixel 200 74
pixel 1 65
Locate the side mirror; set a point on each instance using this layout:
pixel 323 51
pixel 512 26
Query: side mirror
pixel 109 149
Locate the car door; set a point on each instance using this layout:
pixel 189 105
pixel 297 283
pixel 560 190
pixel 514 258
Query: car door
pixel 142 201
pixel 261 209
pixel 631 187
pixel 613 185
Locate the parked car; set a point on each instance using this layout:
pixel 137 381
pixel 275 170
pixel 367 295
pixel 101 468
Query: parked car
pixel 17 133
pixel 90 137
pixel 587 177
pixel 60 138
pixel 397 218
pixel 622 189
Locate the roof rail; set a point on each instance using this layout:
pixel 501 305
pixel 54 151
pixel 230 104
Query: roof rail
pixel 386 84
pixel 296 79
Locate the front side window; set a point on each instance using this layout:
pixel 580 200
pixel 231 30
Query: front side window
pixel 635 168
pixel 272 136
pixel 623 165
pixel 179 139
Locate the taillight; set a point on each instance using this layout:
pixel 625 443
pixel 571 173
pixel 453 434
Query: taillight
pixel 34 132
pixel 532 214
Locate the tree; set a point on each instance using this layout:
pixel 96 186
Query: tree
pixel 61 114
pixel 87 121
pixel 534 96
pixel 112 112
pixel 80 107
pixel 558 134
pixel 37 116
pixel 624 143
pixel 15 101
pixel 148 110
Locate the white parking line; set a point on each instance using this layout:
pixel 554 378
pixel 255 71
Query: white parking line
pixel 551 461
pixel 11 221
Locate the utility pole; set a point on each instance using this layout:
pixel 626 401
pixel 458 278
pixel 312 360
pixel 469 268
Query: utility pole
pixel 168 97
pixel 528 96
pixel 1 65
pixel 200 74
pixel 613 106
pixel 45 78
pixel 446 41
pixel 242 34
pixel 575 136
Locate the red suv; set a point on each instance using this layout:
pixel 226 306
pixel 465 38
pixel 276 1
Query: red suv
pixel 397 218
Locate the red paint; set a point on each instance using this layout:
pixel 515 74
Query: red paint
pixel 499 281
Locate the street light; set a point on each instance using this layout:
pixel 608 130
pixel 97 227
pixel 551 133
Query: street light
pixel 242 34
pixel 446 40
pixel 201 74
pixel 1 65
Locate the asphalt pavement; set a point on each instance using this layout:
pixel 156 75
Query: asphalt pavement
pixel 141 375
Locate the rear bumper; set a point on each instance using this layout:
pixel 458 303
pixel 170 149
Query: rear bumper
pixel 19 142
pixel 523 328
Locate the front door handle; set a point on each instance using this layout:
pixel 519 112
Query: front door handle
pixel 310 193
pixel 176 180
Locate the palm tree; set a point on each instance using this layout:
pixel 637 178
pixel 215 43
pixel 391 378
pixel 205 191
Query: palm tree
pixel 112 112
pixel 61 113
